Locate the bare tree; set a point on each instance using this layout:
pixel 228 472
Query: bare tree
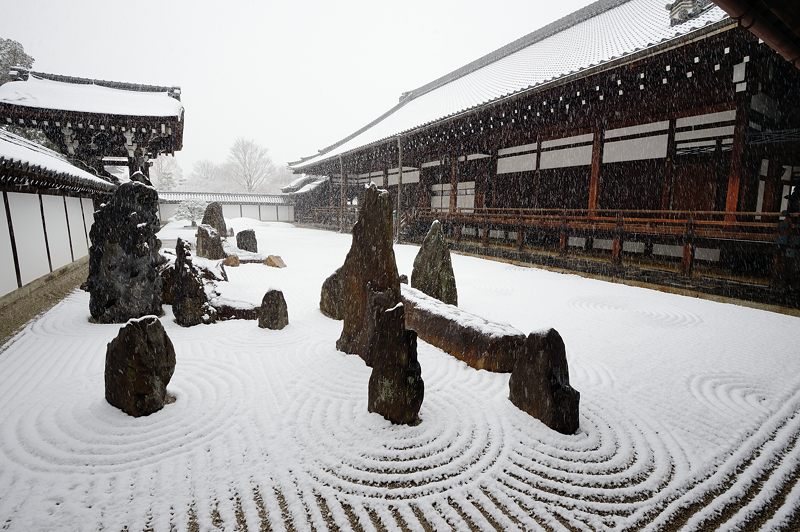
pixel 166 173
pixel 250 164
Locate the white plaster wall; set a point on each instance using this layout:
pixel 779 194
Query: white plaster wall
pixel 231 211
pixel 76 229
pixel 516 163
pixel 167 210
pixel 581 155
pixel 283 213
pixel 57 235
pixel 88 216
pixel 269 213
pixel 654 147
pixel 8 275
pixel 250 211
pixel 291 212
pixel 26 218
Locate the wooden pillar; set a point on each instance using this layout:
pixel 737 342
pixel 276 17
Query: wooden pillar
pixel 687 263
pixel 386 178
pixel 617 242
pixel 669 175
pixel 342 194
pixel 399 188
pixel 597 163
pixel 773 187
pixel 453 183
pixel 737 158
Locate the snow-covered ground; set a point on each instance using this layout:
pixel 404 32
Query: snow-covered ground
pixel 682 401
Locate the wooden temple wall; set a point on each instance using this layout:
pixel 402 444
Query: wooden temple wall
pixel 39 234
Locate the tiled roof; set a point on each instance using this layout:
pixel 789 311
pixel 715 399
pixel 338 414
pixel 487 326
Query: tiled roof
pixel 24 162
pixel 599 33
pixel 47 91
pixel 224 197
pixel 304 184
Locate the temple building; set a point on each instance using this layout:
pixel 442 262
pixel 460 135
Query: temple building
pixel 629 138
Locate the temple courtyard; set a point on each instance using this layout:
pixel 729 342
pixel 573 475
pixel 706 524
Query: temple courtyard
pixel 689 415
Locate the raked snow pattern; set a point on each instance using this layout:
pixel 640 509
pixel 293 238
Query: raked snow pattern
pixel 690 416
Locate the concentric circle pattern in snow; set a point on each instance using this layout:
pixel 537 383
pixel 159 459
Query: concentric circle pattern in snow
pixel 689 417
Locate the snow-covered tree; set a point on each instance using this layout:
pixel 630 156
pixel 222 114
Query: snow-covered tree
pixel 12 54
pixel 250 164
pixel 166 173
pixel 191 210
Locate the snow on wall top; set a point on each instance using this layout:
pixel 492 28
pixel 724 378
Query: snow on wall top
pixel 88 98
pixel 618 29
pixel 16 148
pixel 223 197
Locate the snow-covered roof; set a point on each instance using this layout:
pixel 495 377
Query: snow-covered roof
pixel 303 184
pixel 43 93
pixel 604 31
pixel 224 197
pixel 27 161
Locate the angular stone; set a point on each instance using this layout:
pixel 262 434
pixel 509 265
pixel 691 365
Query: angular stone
pixel 232 261
pixel 433 270
pixel 273 313
pixel 332 296
pixel 209 244
pixel 213 217
pixel 190 304
pixel 246 240
pixel 539 384
pixel 140 362
pixel 370 260
pixel 403 278
pixel 396 388
pixel 123 279
pixel 275 261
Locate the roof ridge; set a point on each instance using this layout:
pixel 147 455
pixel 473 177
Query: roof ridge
pixel 174 91
pixel 576 17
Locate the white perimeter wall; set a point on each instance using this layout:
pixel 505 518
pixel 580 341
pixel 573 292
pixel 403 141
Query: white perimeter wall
pixel 264 212
pixel 66 221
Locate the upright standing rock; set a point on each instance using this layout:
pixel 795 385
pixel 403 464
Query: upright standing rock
pixel 332 296
pixel 213 217
pixel 273 313
pixel 190 303
pixel 209 243
pixel 140 362
pixel 123 280
pixel 246 240
pixel 433 270
pixel 396 389
pixel 539 383
pixel 370 260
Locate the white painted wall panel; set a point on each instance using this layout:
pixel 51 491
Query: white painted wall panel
pixel 517 149
pixel 26 217
pixel 168 210
pixel 710 118
pixel 409 176
pixel 269 213
pixel 88 216
pixel 8 275
pixel 57 235
pixel 635 130
pixel 516 163
pixel 250 211
pixel 76 229
pixel 231 211
pixel 291 213
pixel 654 147
pixel 581 155
pixel 283 213
pixel 588 137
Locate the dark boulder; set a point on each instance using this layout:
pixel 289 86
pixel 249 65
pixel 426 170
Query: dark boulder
pixel 123 279
pixel 370 260
pixel 209 244
pixel 190 302
pixel 539 383
pixel 140 362
pixel 246 240
pixel 396 388
pixel 433 270
pixel 331 296
pixel 273 313
pixel 213 217
pixel 403 278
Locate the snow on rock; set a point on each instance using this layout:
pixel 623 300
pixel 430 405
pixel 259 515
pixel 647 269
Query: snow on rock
pixel 682 400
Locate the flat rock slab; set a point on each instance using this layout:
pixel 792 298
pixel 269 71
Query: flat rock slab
pixel 275 261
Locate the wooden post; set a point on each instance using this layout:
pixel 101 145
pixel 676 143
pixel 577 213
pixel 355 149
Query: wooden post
pixel 687 263
pixel 342 194
pixel 617 243
pixel 737 156
pixel 669 175
pixel 597 163
pixel 386 178
pixel 399 187
pixel 520 237
pixel 453 183
pixel 563 239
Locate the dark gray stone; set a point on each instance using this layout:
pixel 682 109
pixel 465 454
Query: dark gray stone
pixel 123 279
pixel 331 296
pixel 213 217
pixel 190 302
pixel 209 243
pixel 273 313
pixel 433 270
pixel 396 388
pixel 246 240
pixel 539 383
pixel 403 278
pixel 140 362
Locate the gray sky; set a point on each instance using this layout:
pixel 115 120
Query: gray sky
pixel 293 75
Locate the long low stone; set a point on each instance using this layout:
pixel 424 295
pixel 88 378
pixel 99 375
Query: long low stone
pixel 480 343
